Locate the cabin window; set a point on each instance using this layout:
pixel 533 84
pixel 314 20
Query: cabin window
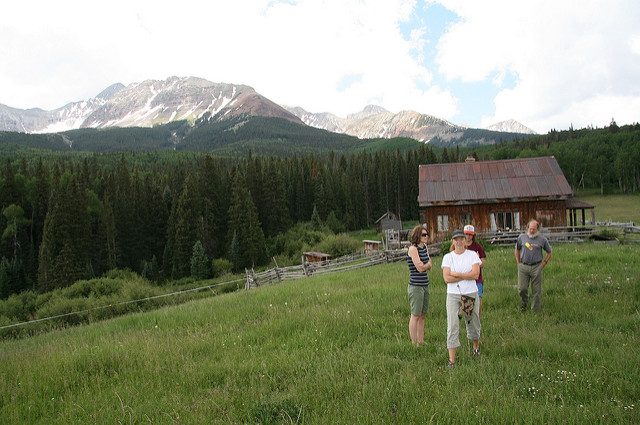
pixel 465 218
pixel 443 223
pixel 507 220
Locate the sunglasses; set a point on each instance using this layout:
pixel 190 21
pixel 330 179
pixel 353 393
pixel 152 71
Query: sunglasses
pixel 425 234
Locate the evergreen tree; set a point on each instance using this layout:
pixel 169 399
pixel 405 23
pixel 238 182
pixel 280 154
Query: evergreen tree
pixel 108 229
pixel 5 290
pixel 153 217
pixel 445 156
pixel 188 223
pixel 215 205
pixel 14 216
pixel 64 253
pixel 234 252
pixel 276 216
pixel 39 206
pixel 334 224
pixel 199 262
pixel 316 221
pixel 245 226
pixel 150 269
pixel 16 279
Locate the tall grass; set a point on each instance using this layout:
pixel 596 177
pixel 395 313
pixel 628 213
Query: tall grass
pixel 335 349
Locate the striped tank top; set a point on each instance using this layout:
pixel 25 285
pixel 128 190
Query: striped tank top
pixel 417 278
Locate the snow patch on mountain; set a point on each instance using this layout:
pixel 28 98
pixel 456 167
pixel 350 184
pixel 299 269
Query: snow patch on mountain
pixel 511 126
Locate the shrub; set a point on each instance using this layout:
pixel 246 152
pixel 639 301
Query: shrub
pixel 338 245
pixel 445 246
pixel 221 266
pixel 19 306
pixel 124 274
pixel 284 260
pixel 59 305
pixel 292 243
pixel 605 235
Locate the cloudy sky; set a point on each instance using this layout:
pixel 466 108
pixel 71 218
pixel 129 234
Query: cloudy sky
pixel 545 63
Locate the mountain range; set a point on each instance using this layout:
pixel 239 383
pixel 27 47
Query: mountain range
pixel 154 102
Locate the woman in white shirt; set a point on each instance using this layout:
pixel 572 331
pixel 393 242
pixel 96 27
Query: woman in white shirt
pixel 460 269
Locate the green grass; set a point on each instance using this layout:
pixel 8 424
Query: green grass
pixel 620 208
pixel 335 349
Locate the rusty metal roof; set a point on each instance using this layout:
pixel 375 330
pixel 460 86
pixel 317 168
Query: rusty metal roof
pixel 578 204
pixel 492 181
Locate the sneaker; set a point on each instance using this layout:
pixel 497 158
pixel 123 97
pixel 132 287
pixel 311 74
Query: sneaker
pixel 476 352
pixel 450 365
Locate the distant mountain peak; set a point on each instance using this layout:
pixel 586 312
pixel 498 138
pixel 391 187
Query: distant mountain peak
pixel 376 122
pixel 148 103
pixel 110 91
pixel 511 126
pixel 368 111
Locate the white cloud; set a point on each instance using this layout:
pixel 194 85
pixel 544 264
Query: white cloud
pixel 295 53
pixel 634 44
pixel 574 61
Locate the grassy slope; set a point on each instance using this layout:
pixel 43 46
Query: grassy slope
pixel 621 208
pixel 335 349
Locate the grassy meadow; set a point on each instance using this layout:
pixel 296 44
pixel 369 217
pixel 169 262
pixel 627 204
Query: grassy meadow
pixel 335 349
pixel 617 208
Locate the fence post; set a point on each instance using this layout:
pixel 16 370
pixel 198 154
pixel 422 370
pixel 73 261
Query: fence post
pixel 278 275
pixel 248 281
pixel 305 267
pixel 254 278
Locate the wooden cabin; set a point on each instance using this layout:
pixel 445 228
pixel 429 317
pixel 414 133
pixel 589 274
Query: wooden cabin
pixel 495 195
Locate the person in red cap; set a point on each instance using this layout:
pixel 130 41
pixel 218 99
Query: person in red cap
pixel 470 234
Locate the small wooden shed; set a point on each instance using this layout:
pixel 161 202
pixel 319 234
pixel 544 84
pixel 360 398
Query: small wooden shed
pixel 494 195
pixel 371 246
pixel 388 221
pixel 315 257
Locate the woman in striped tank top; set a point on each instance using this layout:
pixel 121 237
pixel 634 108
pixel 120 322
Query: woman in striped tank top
pixel 419 263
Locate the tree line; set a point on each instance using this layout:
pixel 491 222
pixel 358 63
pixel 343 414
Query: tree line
pixel 69 217
pixel 66 218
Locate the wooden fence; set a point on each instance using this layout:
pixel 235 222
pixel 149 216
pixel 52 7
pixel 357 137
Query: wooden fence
pixel 356 261
pixel 553 234
pixel 631 234
pixel 306 269
pixel 614 224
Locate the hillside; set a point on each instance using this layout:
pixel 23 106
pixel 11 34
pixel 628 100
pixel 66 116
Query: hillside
pixel 334 349
pixel 230 137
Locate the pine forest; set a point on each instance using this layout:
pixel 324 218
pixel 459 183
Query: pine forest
pixel 72 216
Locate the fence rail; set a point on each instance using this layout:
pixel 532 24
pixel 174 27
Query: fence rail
pixel 631 234
pixel 306 269
pixel 340 264
pixel 553 234
pixel 610 223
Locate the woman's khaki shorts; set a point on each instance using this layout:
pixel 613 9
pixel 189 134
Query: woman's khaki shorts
pixel 418 299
